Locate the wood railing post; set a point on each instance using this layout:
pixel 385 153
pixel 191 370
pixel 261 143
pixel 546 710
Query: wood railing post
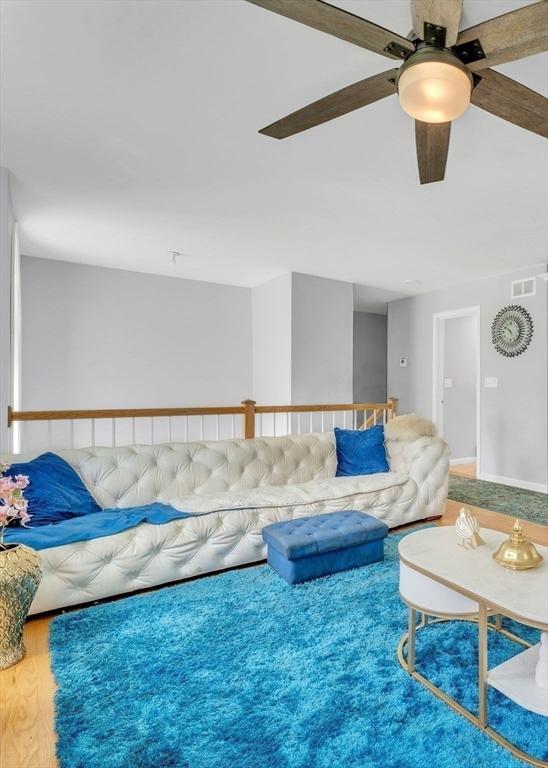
pixel 393 401
pixel 249 418
pixel 10 416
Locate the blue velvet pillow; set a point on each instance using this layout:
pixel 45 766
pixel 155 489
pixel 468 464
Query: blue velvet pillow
pixel 55 492
pixel 360 451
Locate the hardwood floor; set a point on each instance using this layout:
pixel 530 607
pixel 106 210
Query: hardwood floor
pixel 497 521
pixel 464 470
pixel 27 737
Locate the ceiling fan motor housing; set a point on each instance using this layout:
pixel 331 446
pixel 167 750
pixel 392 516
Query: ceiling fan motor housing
pixel 431 53
pixel 433 85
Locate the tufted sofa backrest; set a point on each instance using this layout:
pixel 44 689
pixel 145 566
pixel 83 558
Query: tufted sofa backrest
pixel 141 474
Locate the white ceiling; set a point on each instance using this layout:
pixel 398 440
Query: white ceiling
pixel 130 128
pixel 370 299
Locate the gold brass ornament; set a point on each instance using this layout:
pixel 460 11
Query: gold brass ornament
pixel 517 552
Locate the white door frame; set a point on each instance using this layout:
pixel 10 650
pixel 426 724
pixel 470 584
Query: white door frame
pixel 438 351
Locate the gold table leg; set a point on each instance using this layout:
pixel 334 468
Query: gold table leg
pixel 406 658
pixel 412 627
pixel 482 665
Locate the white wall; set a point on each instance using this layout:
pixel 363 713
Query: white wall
pixel 271 320
pixel 514 416
pixel 369 357
pixel 459 410
pixel 321 340
pixel 100 338
pixel 6 236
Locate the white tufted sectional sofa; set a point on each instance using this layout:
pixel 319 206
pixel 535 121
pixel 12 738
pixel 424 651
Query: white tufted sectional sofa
pixel 234 488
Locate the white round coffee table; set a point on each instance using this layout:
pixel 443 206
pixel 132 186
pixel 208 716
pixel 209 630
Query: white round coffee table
pixel 440 579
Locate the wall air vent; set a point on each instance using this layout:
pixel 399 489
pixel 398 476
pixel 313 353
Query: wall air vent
pixel 522 288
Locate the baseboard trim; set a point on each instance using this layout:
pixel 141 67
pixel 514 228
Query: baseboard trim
pixel 468 460
pixel 539 487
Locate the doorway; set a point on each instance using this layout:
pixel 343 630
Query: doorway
pixel 456 384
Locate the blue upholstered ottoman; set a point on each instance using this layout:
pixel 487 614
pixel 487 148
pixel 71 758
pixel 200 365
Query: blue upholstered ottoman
pixel 310 547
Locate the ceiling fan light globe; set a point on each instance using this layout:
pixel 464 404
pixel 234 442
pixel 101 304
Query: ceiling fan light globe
pixel 434 91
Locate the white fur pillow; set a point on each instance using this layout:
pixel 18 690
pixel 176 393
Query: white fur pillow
pixel 409 427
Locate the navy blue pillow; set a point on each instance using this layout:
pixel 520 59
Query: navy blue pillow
pixel 360 451
pixel 55 492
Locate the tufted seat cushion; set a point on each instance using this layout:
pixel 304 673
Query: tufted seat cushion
pixel 313 492
pixel 305 549
pixel 323 533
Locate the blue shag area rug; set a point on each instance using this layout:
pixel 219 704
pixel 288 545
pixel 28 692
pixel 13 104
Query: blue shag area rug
pixel 240 670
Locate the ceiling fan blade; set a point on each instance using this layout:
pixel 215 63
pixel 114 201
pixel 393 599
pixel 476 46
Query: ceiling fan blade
pixel 511 36
pixel 443 13
pixel 432 140
pixel 346 26
pixel 336 104
pixel 506 98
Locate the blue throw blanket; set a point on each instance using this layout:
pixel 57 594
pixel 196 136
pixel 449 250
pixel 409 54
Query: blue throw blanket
pixel 92 526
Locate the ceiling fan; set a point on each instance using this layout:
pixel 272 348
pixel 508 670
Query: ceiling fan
pixel 443 70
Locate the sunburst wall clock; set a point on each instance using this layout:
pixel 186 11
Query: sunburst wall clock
pixel 512 330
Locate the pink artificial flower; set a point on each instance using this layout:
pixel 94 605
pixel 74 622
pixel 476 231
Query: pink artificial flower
pixel 13 505
pixel 6 484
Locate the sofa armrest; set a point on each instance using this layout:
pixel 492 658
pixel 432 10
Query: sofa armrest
pixel 426 461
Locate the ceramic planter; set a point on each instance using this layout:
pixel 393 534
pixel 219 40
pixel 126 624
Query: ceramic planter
pixel 20 575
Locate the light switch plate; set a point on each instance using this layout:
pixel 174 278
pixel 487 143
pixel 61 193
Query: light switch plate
pixel 403 362
pixel 491 382
pixel 448 383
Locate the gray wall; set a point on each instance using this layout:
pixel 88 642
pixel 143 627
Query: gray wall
pixel 370 343
pixel 271 319
pixel 321 340
pixel 302 340
pixel 513 416
pixel 99 338
pixel 459 410
pixel 6 235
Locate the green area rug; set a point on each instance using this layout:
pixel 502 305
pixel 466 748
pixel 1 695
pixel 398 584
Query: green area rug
pixel 516 502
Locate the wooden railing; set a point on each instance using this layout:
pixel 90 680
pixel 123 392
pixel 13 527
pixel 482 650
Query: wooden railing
pixel 123 426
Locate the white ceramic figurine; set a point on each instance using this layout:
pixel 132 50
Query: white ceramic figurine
pixel 467 529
